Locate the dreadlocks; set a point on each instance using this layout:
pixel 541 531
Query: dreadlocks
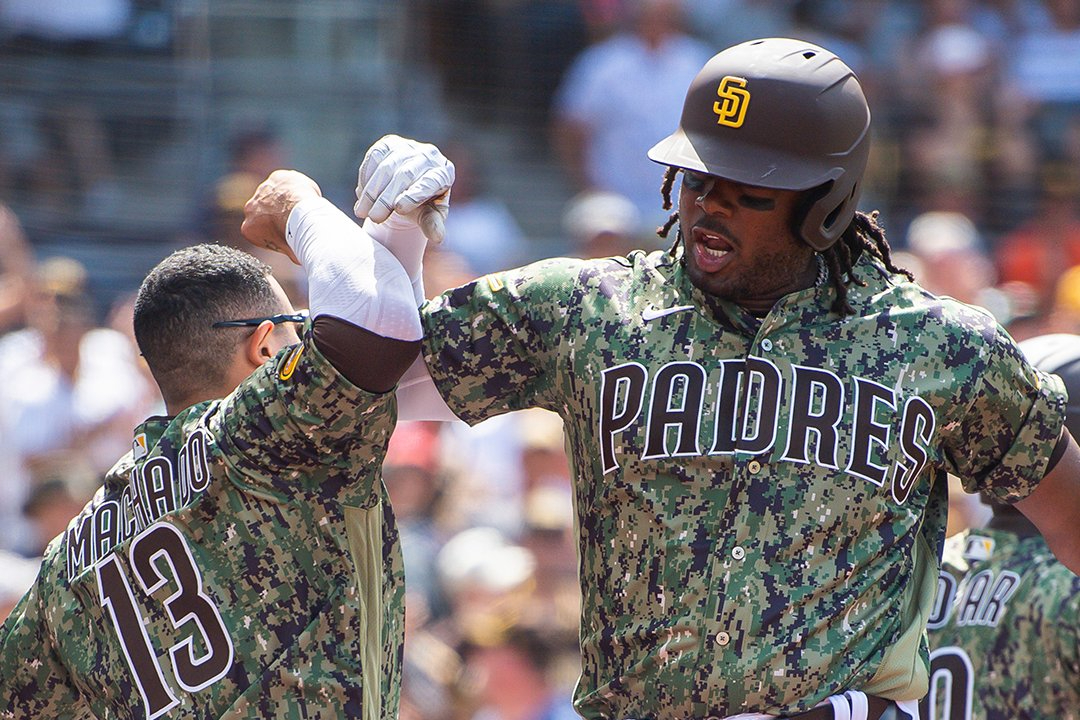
pixel 863 234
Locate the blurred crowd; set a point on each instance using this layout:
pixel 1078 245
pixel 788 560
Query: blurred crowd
pixel 975 169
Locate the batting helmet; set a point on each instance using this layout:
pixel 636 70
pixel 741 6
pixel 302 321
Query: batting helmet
pixel 779 113
pixel 1059 353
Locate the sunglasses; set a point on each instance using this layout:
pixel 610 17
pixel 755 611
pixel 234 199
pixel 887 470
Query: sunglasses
pixel 297 317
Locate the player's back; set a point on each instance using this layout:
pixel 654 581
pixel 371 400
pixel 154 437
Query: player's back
pixel 241 562
pixel 1005 635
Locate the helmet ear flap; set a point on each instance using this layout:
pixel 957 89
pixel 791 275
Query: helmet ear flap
pixel 825 213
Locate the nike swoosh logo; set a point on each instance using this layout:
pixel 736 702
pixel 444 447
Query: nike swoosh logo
pixel 652 313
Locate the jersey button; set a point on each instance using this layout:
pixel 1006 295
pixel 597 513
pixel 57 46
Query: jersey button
pixel 754 467
pixel 722 638
pixel 737 552
pixel 766 344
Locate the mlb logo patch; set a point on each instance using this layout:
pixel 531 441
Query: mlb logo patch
pixel 977 547
pixel 138 446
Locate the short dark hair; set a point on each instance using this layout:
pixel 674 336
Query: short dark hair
pixel 179 301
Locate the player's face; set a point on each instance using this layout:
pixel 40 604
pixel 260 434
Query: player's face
pixel 739 241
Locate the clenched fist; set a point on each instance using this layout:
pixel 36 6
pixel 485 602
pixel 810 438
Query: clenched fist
pixel 267 212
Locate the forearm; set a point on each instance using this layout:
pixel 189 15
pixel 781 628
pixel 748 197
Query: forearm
pixel 360 299
pixel 350 276
pixel 405 239
pixel 1054 507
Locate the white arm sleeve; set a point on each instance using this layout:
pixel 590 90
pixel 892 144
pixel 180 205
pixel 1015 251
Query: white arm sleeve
pixel 350 276
pixel 406 240
pixel 418 398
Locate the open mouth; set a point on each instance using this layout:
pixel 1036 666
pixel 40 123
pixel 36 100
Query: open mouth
pixel 711 250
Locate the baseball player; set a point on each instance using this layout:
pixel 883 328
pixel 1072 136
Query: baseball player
pixel 1005 631
pixel 242 560
pixel 760 419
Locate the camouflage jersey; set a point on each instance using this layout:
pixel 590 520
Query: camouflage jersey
pixel 241 562
pixel 759 503
pixel 1005 635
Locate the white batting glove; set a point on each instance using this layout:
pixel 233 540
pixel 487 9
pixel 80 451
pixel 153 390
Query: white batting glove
pixel 406 177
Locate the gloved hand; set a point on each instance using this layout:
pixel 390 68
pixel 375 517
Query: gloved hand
pixel 406 177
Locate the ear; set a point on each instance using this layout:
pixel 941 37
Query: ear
pixel 258 348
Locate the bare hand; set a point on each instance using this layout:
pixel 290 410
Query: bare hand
pixel 267 212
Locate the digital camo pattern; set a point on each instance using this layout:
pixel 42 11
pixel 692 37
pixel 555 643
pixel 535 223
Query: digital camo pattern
pixel 1007 642
pixel 242 562
pixel 759 504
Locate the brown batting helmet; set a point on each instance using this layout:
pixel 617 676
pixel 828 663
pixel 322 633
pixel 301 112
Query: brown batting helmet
pixel 779 113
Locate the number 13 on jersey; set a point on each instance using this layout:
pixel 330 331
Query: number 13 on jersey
pixel 189 605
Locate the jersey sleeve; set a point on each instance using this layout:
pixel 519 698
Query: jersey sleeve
pixel 1003 443
pixel 493 345
pixel 32 677
pixel 297 423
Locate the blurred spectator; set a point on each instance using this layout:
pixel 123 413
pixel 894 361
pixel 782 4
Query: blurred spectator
pixel 254 153
pixel 549 536
pixel 480 228
pixel 1065 314
pixel 70 164
pixel 1041 249
pixel 16 266
pixel 537 41
pixel 502 59
pixel 603 224
pixel 17 574
pixel 952 259
pixel 1041 60
pixel 503 498
pixel 461 38
pixel 256 150
pixel 834 24
pixel 69 386
pixel 884 30
pixel 487 581
pixel 413 477
pixel 52 504
pixel 601 18
pixel 1004 20
pixel 723 23
pixel 510 678
pixel 958 140
pixel 488 470
pixel 620 97
pixel 543 453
